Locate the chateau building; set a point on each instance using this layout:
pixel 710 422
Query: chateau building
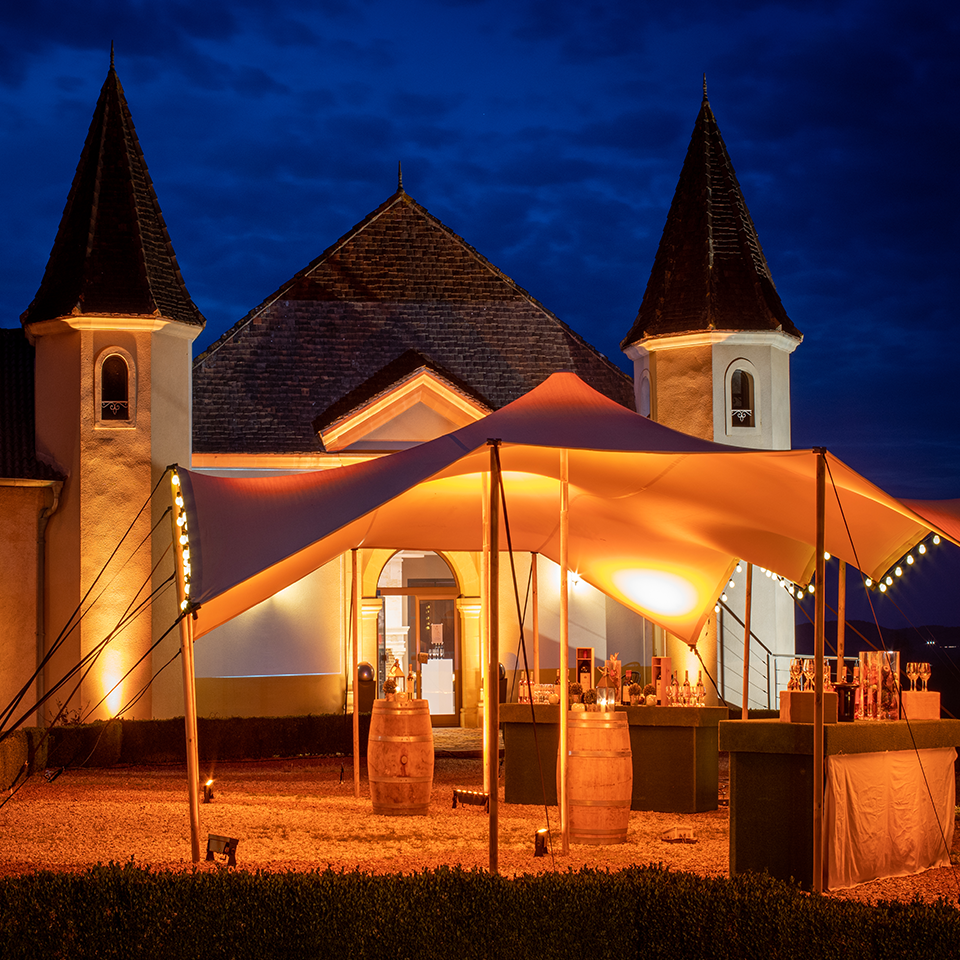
pixel 396 334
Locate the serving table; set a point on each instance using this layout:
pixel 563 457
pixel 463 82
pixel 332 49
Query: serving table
pixel 879 818
pixel 675 755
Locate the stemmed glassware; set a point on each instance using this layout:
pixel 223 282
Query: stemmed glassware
pixel 924 674
pixel 796 669
pixel 809 669
pixel 913 671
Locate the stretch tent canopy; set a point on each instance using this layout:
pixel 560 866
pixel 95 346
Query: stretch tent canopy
pixel 658 519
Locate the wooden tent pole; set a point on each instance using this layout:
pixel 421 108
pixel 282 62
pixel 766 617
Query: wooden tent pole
pixel 190 725
pixel 818 643
pixel 178 518
pixel 485 625
pixel 564 645
pixel 747 615
pixel 535 560
pixel 355 587
pixel 841 621
pixel 492 717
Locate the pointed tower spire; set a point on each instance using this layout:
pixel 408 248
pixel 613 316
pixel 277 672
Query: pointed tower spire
pixel 709 272
pixel 112 254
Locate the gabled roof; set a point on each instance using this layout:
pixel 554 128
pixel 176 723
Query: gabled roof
pixel 399 281
pixel 112 254
pixel 710 272
pixel 18 452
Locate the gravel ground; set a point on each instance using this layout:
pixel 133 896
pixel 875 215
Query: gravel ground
pixel 300 815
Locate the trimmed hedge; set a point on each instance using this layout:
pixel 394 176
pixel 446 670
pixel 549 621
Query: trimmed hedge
pixel 133 742
pixel 126 912
pixel 22 752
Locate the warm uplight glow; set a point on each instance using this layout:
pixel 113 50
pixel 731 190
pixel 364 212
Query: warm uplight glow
pixel 112 687
pixel 658 591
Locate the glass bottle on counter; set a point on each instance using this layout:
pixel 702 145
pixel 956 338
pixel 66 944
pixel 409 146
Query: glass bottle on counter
pixel 685 689
pixel 701 691
pixel 674 691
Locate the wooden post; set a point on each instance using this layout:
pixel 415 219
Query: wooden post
pixel 190 725
pixel 841 621
pixel 492 717
pixel 355 626
pixel 564 645
pixel 189 672
pixel 485 625
pixel 818 644
pixel 535 560
pixel 747 615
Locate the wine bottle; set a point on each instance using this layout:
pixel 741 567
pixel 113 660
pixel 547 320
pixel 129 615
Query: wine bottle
pixel 685 689
pixel 701 690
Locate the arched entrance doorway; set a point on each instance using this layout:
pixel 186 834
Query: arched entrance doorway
pixel 419 618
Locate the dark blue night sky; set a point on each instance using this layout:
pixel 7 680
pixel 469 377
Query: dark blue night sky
pixel 550 136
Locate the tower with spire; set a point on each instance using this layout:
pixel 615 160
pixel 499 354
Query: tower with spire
pixel 711 343
pixel 112 325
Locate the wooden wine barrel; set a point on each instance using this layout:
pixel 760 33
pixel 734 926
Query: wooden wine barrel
pixel 400 758
pixel 599 777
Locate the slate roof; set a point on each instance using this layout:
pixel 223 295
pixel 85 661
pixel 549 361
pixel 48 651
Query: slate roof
pixel 18 457
pixel 710 272
pixel 398 281
pixel 112 254
pixel 386 379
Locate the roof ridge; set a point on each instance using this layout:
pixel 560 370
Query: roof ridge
pixel 400 196
pixel 112 253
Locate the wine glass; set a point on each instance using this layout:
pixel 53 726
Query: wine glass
pixel 924 674
pixel 912 673
pixel 809 669
pixel 796 669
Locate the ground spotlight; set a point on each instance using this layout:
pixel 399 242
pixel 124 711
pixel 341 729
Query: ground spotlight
pixel 222 846
pixel 540 842
pixel 476 798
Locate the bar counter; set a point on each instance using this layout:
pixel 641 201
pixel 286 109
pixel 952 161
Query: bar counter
pixel 675 755
pixel 878 816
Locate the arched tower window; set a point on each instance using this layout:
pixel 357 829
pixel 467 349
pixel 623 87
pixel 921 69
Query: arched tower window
pixel 742 399
pixel 114 389
pixel 645 405
pixel 115 393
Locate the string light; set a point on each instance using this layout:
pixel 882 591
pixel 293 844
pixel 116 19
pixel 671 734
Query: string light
pixel 184 540
pixel 899 569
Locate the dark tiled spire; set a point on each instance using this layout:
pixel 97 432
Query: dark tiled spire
pixel 710 272
pixel 112 254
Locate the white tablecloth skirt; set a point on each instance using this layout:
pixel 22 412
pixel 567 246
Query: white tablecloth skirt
pixel 887 814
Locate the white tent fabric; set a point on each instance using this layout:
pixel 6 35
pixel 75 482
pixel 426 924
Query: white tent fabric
pixel 657 518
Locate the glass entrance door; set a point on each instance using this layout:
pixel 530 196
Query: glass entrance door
pixel 438 676
pixel 418 627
